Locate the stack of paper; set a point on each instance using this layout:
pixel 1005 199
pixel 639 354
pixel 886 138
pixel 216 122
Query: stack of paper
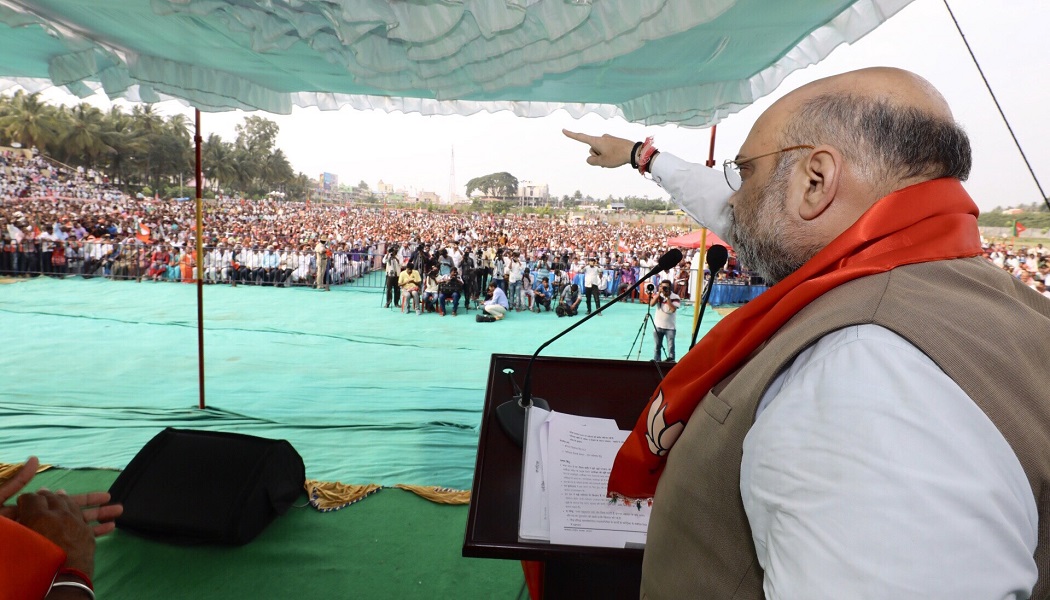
pixel 565 470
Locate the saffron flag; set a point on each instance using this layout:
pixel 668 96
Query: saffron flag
pixel 143 234
pixel 1019 228
pixel 620 247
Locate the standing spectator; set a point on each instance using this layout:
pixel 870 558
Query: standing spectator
pixel 321 255
pixel 681 280
pixel 560 280
pixel 513 272
pixel 499 267
pixel 187 265
pixel 592 279
pixel 392 265
pixel 484 268
pixel 666 303
pixel 628 277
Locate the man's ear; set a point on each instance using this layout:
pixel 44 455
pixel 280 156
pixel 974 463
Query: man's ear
pixel 823 170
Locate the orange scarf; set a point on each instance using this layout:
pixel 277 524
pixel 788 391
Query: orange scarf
pixel 934 220
pixel 28 561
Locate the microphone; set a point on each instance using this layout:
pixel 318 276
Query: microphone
pixel 717 255
pixel 511 414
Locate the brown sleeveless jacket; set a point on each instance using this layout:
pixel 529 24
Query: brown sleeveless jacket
pixel 986 330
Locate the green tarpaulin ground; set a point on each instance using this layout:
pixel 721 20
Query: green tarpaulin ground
pixel 92 369
pixel 393 544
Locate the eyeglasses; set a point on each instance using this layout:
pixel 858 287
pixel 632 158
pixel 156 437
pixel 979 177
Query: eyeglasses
pixel 732 167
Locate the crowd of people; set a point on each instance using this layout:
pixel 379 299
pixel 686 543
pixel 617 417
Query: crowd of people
pixel 60 221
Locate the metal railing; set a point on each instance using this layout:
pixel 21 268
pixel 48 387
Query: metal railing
pixel 139 262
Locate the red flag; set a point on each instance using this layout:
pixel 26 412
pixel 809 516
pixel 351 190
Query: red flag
pixel 1019 228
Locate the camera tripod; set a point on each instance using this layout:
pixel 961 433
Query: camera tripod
pixel 639 337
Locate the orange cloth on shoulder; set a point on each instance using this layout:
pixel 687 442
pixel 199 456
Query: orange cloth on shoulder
pixel 28 562
pixel 929 221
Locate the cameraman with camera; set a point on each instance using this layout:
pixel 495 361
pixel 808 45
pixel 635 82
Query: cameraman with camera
pixel 666 303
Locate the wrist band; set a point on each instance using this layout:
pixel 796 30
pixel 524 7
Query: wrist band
pixel 649 165
pixel 75 584
pixel 78 574
pixel 634 155
pixel 647 153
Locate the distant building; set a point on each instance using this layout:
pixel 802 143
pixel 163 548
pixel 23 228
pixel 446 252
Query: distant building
pixel 329 182
pixel 533 194
pixel 617 206
pixel 384 188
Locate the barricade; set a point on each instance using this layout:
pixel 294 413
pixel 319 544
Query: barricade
pixel 139 262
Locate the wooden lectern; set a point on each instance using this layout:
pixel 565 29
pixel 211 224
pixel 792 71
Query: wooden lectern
pixel 616 389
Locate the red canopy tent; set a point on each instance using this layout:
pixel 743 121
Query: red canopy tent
pixel 692 240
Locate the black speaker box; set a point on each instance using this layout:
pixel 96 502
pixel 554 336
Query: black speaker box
pixel 207 487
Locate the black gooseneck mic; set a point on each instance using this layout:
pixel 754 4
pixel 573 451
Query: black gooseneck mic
pixel 717 255
pixel 511 414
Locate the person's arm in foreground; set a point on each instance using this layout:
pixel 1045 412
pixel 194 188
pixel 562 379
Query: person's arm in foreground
pixel 69 523
pixel 700 191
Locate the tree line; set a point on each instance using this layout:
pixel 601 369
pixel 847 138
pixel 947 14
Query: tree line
pixel 145 151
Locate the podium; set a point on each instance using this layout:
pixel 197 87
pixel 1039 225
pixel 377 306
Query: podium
pixel 616 389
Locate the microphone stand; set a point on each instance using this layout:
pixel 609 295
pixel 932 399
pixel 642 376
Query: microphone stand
pixel 717 256
pixel 703 305
pixel 511 414
pixel 641 330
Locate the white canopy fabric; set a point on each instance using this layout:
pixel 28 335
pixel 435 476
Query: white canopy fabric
pixel 653 61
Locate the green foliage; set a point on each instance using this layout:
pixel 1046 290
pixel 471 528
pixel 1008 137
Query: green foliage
pixel 144 148
pixel 645 204
pixel 498 185
pixel 501 207
pixel 1031 220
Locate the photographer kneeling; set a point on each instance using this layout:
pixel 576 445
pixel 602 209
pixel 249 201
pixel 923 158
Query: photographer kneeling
pixel 569 302
pixel 495 305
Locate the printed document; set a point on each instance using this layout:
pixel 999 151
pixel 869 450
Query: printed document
pixel 566 467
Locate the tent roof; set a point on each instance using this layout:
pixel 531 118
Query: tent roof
pixel 653 61
pixel 692 240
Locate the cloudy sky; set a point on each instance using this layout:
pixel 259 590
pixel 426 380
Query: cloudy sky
pixel 413 152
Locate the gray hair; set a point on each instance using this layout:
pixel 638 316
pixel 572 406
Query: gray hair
pixel 883 141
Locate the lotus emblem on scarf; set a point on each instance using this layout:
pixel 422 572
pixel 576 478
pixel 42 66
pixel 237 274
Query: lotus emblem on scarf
pixel 660 435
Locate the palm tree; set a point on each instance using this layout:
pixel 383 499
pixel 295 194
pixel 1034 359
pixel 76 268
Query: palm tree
pixel 217 161
pixel 118 132
pixel 29 122
pixel 82 139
